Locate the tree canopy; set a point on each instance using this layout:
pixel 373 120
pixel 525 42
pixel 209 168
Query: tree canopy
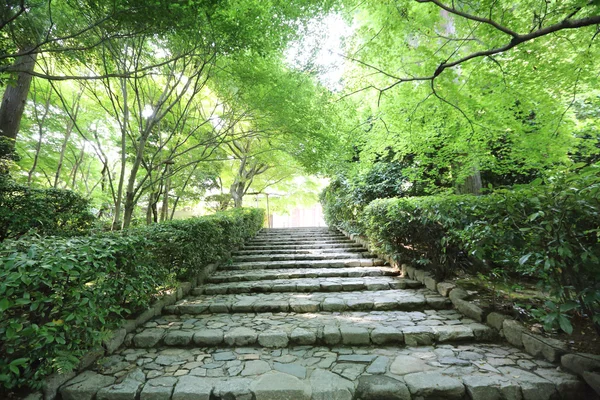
pixel 148 106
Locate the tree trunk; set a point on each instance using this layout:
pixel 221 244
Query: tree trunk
pixel 149 208
pixel 471 185
pixel 130 193
pixel 15 96
pixel 78 162
pixel 237 194
pixel 164 211
pixel 175 202
pixel 61 156
pixel 36 157
pixel 128 209
pixel 119 197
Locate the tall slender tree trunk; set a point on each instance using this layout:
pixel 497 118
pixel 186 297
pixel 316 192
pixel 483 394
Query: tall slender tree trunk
pixel 15 96
pixel 36 157
pixel 40 124
pixel 237 193
pixel 129 205
pixel 151 201
pixel 119 197
pixel 472 184
pixel 78 162
pixel 164 210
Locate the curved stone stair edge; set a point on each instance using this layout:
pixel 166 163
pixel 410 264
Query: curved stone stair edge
pixel 116 337
pixel 586 366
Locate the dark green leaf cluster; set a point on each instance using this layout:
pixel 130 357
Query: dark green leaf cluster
pixel 45 211
pixel 548 231
pixel 346 197
pixel 60 296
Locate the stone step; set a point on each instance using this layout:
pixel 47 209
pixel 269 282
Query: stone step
pixel 297 241
pixel 341 263
pixel 270 274
pixel 452 372
pixel 308 285
pixel 302 257
pixel 304 246
pixel 311 235
pixel 300 230
pixel 378 300
pixel 277 251
pixel 284 329
pixel 292 243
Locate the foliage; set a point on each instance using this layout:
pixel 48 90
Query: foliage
pixel 218 202
pixel 182 245
pixel 45 211
pixel 338 206
pixel 60 296
pixel 509 115
pixel 548 231
pixel 346 197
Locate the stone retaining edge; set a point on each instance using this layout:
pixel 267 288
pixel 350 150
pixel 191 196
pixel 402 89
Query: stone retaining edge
pixel 117 337
pixel 587 366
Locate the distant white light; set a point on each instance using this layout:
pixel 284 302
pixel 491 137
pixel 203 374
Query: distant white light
pixel 147 111
pixel 216 122
pixel 321 49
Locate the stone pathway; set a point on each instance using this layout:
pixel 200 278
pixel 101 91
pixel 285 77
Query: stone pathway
pixel 298 315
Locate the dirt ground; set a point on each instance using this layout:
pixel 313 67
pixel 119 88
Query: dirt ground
pixel 517 299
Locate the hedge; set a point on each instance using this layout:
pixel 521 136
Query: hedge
pixel 45 211
pixel 60 296
pixel 548 231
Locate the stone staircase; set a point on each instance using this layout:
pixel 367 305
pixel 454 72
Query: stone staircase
pixel 307 314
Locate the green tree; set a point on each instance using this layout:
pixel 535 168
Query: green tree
pixel 444 84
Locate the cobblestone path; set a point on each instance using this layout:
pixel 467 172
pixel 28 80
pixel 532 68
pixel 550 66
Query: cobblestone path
pixel 307 314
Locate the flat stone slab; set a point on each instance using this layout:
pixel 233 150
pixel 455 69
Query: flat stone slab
pixel 484 370
pixel 280 386
pixel 314 246
pixel 317 284
pixel 85 386
pixel 295 264
pixel 273 250
pixel 302 257
pixel 272 274
pixel 434 385
pixel 279 330
pixel 392 300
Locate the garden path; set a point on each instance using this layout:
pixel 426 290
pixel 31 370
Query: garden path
pixel 308 314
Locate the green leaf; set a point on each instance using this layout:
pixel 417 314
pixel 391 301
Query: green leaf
pixel 4 304
pixel 565 324
pixel 524 259
pixel 568 306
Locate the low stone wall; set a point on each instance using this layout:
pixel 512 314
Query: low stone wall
pixel 585 365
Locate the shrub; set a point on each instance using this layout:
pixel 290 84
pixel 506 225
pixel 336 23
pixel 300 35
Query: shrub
pixel 60 296
pixel 339 208
pixel 346 197
pixel 421 230
pixel 183 245
pixel 45 211
pixel 548 231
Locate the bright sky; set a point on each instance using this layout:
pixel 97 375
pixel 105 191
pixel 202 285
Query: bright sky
pixel 320 49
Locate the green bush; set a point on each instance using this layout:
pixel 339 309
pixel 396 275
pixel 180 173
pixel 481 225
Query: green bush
pixel 59 296
pixel 339 208
pixel 346 197
pixel 45 211
pixel 183 245
pixel 421 230
pixel 548 231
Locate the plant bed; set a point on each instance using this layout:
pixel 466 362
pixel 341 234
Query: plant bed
pixel 517 298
